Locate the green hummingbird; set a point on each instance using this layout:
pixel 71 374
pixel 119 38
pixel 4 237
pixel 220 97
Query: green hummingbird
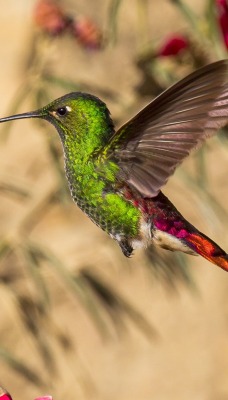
pixel 115 177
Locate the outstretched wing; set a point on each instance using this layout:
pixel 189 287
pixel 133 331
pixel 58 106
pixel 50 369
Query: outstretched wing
pixel 149 147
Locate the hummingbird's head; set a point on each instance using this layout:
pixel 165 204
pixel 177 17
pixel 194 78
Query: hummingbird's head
pixel 76 112
pixel 77 117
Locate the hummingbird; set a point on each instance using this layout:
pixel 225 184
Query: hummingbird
pixel 116 176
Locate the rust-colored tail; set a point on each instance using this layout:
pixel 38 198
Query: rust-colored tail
pixel 208 249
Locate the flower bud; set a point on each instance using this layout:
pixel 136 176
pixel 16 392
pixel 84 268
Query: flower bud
pixel 49 16
pixel 173 46
pixel 87 33
pixel 222 8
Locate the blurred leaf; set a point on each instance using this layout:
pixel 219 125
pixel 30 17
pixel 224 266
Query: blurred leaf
pixel 5 248
pixel 33 267
pixel 207 202
pixel 201 167
pixel 189 15
pixel 142 11
pixel 69 85
pixel 112 301
pixel 33 317
pixel 115 304
pixel 75 286
pixel 113 20
pixel 169 267
pixel 63 83
pixel 21 368
pixel 12 189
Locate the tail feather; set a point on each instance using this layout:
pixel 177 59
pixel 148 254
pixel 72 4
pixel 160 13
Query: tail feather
pixel 208 249
pixel 168 223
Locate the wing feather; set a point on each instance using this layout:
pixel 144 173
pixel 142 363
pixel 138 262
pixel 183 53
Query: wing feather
pixel 151 145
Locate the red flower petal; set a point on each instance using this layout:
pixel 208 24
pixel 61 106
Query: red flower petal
pixel 4 395
pixel 222 7
pixel 173 46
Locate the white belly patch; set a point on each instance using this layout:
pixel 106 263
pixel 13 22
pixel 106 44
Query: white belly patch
pixel 170 242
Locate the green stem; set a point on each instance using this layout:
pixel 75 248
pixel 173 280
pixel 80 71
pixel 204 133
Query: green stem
pixel 215 34
pixel 188 14
pixel 112 20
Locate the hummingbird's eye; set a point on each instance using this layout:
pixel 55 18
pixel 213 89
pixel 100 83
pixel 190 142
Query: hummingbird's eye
pixel 61 111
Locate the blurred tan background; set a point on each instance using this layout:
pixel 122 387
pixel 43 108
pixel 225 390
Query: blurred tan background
pixel 187 358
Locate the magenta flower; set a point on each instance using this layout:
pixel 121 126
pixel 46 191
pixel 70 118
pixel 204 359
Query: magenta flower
pixel 44 398
pixel 222 7
pixel 173 46
pixel 4 395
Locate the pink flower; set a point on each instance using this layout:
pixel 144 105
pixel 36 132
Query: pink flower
pixel 173 46
pixel 50 17
pixel 87 33
pixel 43 398
pixel 4 395
pixel 222 7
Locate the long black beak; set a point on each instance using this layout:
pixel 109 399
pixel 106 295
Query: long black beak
pixel 32 114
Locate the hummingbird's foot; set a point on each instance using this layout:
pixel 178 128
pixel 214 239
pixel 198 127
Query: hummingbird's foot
pixel 126 248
